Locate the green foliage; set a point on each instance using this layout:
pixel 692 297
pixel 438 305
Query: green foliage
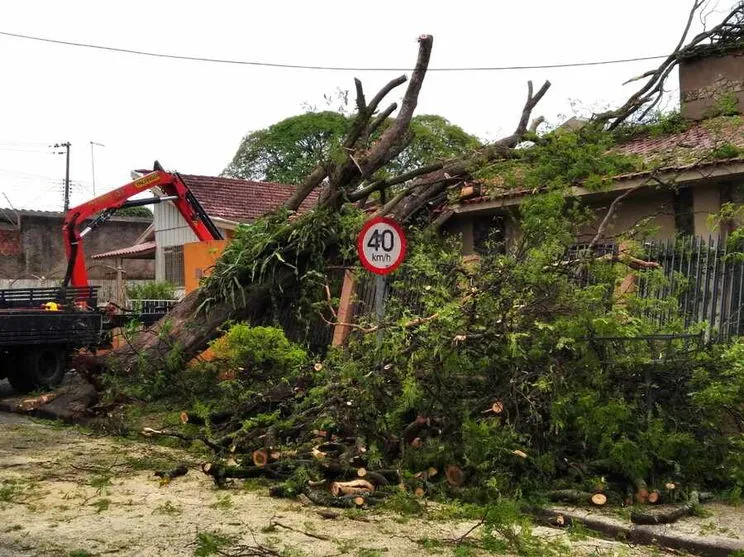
pixel 506 528
pixel 725 105
pixel 433 138
pixel 259 352
pixel 726 151
pixel 151 291
pixel 563 158
pixel 656 124
pixel 135 212
pixel 211 543
pixel 101 505
pixel 287 151
pixel 404 503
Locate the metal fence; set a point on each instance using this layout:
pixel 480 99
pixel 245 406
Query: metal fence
pixel 701 279
pixel 706 276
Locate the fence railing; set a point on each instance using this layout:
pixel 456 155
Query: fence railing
pixel 707 278
pixel 702 279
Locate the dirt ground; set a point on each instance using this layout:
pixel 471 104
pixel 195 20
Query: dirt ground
pixel 66 492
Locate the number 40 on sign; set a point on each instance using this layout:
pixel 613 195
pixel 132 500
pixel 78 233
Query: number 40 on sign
pixel 381 245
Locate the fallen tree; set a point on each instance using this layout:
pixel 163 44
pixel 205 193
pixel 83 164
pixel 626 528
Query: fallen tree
pixel 518 337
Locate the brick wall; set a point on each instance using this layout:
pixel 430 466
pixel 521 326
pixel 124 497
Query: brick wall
pixel 36 249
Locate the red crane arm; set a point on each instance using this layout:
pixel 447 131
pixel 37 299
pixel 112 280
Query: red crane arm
pixel 105 205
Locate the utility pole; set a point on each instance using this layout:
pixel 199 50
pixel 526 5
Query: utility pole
pixel 66 145
pixel 93 164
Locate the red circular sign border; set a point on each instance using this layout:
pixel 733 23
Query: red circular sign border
pixel 360 247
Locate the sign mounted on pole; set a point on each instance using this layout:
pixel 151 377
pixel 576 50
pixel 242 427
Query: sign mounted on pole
pixel 381 245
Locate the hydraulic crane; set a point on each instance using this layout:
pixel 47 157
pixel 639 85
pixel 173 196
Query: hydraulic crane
pixel 104 206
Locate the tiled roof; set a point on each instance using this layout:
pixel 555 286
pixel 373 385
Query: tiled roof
pixel 690 145
pixel 241 200
pixel 673 152
pixel 137 251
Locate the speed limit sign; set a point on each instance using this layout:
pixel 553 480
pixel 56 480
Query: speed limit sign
pixel 381 245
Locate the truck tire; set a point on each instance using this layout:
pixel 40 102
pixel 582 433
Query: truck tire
pixel 40 368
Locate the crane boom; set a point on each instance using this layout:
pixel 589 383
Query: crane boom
pixel 102 207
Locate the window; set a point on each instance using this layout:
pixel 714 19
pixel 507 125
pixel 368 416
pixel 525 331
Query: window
pixel 174 265
pixel 684 216
pixel 488 234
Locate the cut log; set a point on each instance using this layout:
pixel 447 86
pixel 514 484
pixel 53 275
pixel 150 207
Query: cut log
pixel 654 497
pixel 426 475
pixel 184 417
pixel 578 497
pixel 221 472
pixel 344 502
pixel 641 492
pixel 352 487
pixel 414 429
pixel 167 475
pixel 454 474
pixel 417 443
pixel 260 457
pixel 375 478
pixel 599 499
pixel 669 516
pixel 30 404
pixel 392 476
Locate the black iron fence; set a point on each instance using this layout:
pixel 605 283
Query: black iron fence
pixel 705 276
pixel 698 281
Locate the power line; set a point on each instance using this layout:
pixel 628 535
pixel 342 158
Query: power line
pixel 326 68
pixel 23 150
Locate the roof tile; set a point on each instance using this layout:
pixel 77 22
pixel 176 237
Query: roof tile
pixel 241 200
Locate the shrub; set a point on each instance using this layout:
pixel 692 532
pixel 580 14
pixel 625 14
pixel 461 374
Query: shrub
pixel 151 291
pixel 259 352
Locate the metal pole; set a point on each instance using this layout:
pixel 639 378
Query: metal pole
pixel 67 176
pixel 379 305
pixel 93 164
pixel 93 169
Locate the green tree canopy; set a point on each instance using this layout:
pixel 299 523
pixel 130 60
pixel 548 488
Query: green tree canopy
pixel 288 150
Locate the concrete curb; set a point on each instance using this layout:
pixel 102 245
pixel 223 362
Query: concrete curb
pixel 708 546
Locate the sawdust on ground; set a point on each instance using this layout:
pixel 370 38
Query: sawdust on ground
pixel 67 492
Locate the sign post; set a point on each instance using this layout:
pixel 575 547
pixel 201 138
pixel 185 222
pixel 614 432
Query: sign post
pixel 382 247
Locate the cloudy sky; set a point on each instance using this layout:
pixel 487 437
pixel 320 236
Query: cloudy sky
pixel 192 115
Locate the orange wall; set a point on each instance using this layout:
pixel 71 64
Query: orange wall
pixel 198 260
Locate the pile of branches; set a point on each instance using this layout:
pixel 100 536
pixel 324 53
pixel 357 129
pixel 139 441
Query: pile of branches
pixel 498 384
pixel 490 389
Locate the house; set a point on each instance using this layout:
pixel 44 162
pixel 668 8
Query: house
pixel 229 202
pixel 32 251
pixel 683 177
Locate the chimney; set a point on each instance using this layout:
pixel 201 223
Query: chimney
pixel 711 77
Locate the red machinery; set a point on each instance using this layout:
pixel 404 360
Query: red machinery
pixel 104 206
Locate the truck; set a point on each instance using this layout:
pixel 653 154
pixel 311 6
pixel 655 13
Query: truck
pixel 41 328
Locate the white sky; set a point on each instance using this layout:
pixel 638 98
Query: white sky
pixel 191 116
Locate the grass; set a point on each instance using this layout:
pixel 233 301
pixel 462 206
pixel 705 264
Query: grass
pixel 79 553
pixel 9 492
pixel 101 505
pixel 100 482
pixel 223 503
pixel 211 543
pixel 168 508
